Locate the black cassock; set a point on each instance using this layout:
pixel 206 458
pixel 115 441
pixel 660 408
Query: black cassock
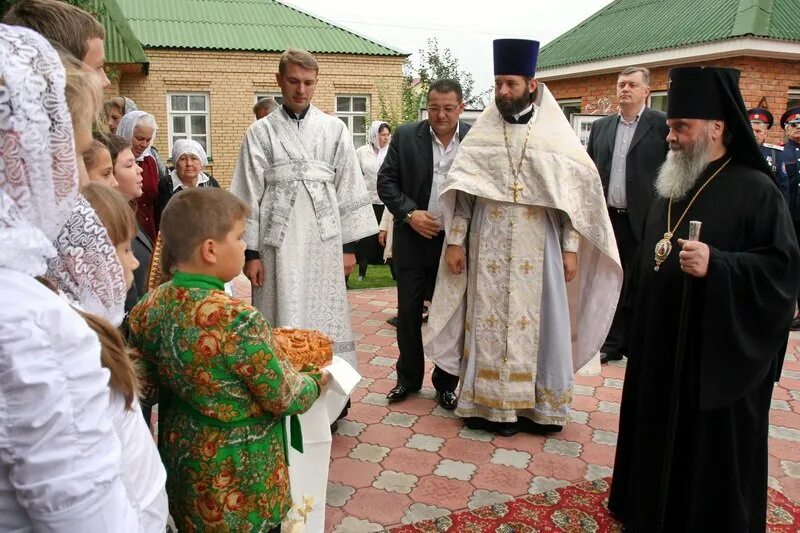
pixel 738 325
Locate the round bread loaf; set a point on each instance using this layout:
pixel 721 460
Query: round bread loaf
pixel 304 346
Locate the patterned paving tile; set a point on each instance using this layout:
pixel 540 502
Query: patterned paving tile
pixel 784 433
pixel 426 443
pixel 455 469
pixel 444 413
pixel 475 434
pixel 354 525
pixel 399 419
pixel 375 398
pixel 594 472
pixel 512 458
pixel 338 494
pixel 383 361
pixel 392 481
pixel 791 468
pixel 583 450
pixel 442 492
pixel 605 437
pixel 608 407
pixel 349 428
pixel 543 484
pixel 369 452
pixel 562 447
pixel 513 481
pixel 419 511
pixel 482 498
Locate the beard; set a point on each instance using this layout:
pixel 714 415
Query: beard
pixel 514 105
pixel 683 167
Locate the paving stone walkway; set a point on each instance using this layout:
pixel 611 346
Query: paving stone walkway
pixel 410 461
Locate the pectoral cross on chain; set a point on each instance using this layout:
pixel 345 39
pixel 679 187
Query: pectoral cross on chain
pixel 517 188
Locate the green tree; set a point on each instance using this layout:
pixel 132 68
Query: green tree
pixel 434 63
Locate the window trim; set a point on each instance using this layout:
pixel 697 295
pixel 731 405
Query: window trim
pixel 652 94
pixel 350 114
pixel 258 95
pixel 188 113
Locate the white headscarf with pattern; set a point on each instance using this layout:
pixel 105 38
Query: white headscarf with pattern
pixel 38 169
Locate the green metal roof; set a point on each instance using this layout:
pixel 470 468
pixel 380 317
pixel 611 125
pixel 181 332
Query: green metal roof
pixel 627 27
pixel 121 45
pixel 257 25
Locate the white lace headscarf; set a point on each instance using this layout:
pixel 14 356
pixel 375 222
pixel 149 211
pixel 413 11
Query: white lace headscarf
pixel 38 170
pixel 86 267
pixel 129 122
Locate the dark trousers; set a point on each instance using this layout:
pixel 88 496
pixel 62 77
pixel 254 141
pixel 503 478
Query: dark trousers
pixel 617 339
pixel 368 251
pixel 416 262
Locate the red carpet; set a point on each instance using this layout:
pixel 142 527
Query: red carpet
pixel 576 509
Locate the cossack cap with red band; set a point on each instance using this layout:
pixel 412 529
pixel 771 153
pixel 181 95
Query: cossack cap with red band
pixel 759 115
pixel 792 116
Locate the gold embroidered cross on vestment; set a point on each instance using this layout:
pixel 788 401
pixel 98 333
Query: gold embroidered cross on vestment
pixel 517 187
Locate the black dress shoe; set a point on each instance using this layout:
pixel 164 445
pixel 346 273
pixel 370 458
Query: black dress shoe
pixel 526 425
pixel 606 357
pixel 447 399
pixel 392 321
pixel 796 323
pixel 506 429
pixel 478 424
pixel 399 393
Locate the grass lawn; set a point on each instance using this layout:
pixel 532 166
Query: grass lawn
pixel 377 276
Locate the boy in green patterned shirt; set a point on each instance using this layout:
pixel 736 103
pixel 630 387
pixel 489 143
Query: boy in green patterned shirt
pixel 225 392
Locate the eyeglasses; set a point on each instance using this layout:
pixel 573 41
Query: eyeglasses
pixel 447 109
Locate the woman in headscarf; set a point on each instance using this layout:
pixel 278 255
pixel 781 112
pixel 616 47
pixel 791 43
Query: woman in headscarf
pixel 190 159
pixel 139 128
pixel 60 459
pixel 116 108
pixel 370 157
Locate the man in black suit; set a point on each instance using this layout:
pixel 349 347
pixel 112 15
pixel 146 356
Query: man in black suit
pixel 628 149
pixel 409 181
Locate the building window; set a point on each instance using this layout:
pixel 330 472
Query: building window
pixel 278 97
pixel 189 118
pixel 658 101
pixel 794 98
pixel 570 107
pixel 353 112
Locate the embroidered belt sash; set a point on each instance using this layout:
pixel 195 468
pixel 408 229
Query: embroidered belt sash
pixel 283 182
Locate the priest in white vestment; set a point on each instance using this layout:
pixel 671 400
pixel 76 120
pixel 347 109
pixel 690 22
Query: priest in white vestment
pixel 299 173
pixel 531 274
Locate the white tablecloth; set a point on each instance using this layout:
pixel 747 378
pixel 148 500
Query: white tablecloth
pixel 308 471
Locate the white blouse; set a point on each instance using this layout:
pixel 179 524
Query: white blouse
pixel 60 457
pixel 143 473
pixel 368 161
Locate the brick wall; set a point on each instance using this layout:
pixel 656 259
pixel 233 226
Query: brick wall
pixel 770 78
pixel 231 79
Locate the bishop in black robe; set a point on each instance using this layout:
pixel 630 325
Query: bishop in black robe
pixel 713 475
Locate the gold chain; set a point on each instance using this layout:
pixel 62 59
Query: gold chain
pixel 515 172
pixel 669 206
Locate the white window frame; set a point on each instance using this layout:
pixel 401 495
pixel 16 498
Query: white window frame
pixel 188 114
pixel 570 102
pixel 655 93
pixel 347 116
pixel 278 97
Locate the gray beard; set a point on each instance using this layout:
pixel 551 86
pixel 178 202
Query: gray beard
pixel 682 169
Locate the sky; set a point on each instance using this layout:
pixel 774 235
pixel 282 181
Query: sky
pixel 466 28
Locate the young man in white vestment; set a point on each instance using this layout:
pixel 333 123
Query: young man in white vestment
pixel 299 173
pixel 531 274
